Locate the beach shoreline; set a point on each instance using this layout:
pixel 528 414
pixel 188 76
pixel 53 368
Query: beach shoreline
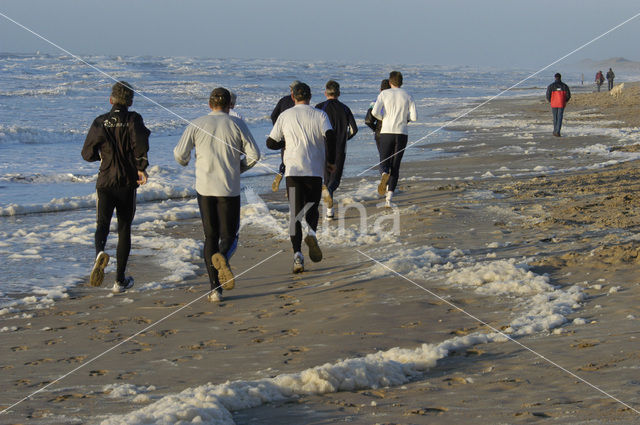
pixel 458 211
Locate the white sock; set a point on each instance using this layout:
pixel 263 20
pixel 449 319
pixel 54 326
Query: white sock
pixel 389 195
pixel 311 233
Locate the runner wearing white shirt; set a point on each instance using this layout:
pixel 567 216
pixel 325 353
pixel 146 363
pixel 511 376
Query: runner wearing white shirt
pixel 220 142
pixel 395 107
pixel 302 131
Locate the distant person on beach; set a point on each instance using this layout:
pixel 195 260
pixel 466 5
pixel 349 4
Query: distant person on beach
pixel 220 142
pixel 283 104
pixel 375 124
pixel 599 79
pixel 120 141
pixel 610 77
pixel 395 107
pixel 308 140
pixel 345 127
pixel 558 94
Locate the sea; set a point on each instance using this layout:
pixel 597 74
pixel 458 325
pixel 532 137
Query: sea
pixel 48 102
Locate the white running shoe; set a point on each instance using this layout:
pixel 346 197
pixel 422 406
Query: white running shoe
pixel 97 273
pixel 215 296
pixel 119 288
pixel 330 213
pixel 298 262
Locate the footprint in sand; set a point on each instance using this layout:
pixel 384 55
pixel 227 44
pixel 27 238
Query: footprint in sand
pixel 73 359
pixel 202 345
pixel 95 306
pixel 126 375
pixel 426 411
pixel 98 372
pixel 53 341
pixel 200 313
pixel 37 362
pixel 252 329
pixel 294 311
pixel 65 397
pixel 66 313
pixel 21 382
pixel 293 352
pixel 290 332
pixel 19 348
pixel 136 350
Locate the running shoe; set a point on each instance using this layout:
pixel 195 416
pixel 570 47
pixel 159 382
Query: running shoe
pixel 97 273
pixel 330 213
pixel 326 197
pixel 215 296
pixel 225 275
pixel 382 187
pixel 298 263
pixel 276 182
pixel 314 250
pixel 120 287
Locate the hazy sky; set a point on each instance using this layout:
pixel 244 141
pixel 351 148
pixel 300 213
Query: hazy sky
pixel 503 33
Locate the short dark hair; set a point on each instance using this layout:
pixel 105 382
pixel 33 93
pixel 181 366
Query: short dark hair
pixel 122 93
pixel 220 98
pixel 558 76
pixel 302 92
pixel 385 84
pixel 395 78
pixel 332 88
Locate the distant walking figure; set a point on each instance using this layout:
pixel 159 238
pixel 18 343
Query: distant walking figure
pixel 558 94
pixel 599 79
pixel 610 77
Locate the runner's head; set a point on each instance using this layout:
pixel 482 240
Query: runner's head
pixel 395 78
pixel 558 77
pixel 220 99
pixel 301 93
pixel 293 85
pixel 385 84
pixel 332 89
pixel 122 94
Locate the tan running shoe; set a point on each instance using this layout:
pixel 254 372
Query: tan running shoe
pixel 276 182
pixel 314 250
pixel 97 273
pixel 225 275
pixel 382 187
pixel 326 197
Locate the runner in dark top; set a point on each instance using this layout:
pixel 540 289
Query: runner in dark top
pixel 283 104
pixel 345 128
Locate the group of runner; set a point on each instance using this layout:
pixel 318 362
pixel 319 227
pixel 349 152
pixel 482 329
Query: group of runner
pixel 312 141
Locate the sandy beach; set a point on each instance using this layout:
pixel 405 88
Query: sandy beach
pixel 546 257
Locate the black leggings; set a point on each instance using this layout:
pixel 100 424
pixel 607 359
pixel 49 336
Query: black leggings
pixel 391 150
pixel 123 199
pixel 220 221
pixel 303 191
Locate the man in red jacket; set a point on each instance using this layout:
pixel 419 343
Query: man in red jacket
pixel 558 94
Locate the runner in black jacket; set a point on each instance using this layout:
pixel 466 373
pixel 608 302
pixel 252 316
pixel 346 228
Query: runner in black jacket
pixel 120 141
pixel 345 127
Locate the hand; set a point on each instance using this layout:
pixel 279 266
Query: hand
pixel 142 177
pixel 331 168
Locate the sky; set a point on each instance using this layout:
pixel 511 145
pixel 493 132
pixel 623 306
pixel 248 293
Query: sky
pixel 495 33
